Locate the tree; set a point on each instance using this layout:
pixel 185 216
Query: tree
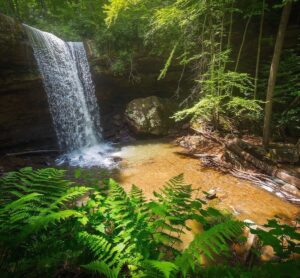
pixel 273 71
pixel 259 48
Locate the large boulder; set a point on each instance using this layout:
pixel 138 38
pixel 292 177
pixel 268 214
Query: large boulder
pixel 150 115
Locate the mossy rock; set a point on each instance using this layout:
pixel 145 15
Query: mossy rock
pixel 150 116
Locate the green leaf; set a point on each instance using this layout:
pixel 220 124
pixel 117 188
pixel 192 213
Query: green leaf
pixel 166 268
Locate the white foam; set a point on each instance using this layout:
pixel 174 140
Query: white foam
pixel 101 155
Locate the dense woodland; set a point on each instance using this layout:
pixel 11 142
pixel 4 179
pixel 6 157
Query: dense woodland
pixel 239 65
pixel 208 39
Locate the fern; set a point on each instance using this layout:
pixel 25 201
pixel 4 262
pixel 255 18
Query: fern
pixel 103 268
pixel 165 268
pixel 173 207
pixel 100 247
pixel 47 181
pixel 32 203
pixel 214 241
pixel 113 233
pixel 126 228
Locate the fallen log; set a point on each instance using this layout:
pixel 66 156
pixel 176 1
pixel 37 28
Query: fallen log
pixel 210 136
pixel 244 156
pixel 272 170
pixel 34 152
pixel 264 181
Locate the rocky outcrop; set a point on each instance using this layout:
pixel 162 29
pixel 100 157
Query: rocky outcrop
pixel 24 112
pixel 115 91
pixel 149 115
pixel 140 79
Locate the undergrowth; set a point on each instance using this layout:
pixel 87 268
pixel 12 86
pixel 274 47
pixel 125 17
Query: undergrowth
pixel 52 227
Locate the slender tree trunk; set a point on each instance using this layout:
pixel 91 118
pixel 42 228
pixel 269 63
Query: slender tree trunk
pixel 230 26
pixel 220 54
pixel 273 72
pixel 259 48
pixel 242 44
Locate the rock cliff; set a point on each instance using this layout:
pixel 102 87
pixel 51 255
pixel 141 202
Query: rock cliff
pixel 24 113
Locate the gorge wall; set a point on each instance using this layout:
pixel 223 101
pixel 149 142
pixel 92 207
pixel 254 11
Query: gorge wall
pixel 25 118
pixel 24 113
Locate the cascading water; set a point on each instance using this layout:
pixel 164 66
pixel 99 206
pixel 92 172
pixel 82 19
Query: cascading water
pixel 71 96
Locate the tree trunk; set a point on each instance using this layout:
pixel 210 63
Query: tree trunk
pixel 273 71
pixel 259 48
pixel 242 43
pixel 230 26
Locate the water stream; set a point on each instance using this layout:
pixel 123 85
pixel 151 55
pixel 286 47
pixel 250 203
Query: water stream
pixel 71 95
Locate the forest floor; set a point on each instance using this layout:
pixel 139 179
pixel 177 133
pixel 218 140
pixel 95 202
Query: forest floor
pixel 244 158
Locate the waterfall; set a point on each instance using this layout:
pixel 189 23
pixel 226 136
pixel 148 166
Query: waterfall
pixel 71 95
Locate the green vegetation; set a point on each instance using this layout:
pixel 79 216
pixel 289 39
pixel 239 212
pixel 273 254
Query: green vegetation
pixel 51 227
pixel 207 39
pixel 54 227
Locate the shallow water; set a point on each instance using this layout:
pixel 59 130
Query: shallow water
pixel 148 164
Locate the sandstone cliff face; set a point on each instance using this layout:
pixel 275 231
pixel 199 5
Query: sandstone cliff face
pixel 24 115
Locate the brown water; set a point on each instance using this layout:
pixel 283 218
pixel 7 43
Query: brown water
pixel 149 164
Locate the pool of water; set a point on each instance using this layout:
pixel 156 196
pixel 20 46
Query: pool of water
pixel 149 164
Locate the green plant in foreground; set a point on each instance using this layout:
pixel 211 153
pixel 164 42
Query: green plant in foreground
pixel 282 237
pixel 37 217
pixel 142 238
pixel 51 227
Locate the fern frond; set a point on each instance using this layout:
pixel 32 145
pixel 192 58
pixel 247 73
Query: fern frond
pixel 71 194
pixel 168 269
pixel 103 268
pixel 137 196
pixel 48 182
pixel 99 246
pixel 214 241
pixel 36 223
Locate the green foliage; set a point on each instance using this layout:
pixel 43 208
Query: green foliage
pixel 33 205
pixel 245 108
pixel 101 267
pixel 163 72
pixel 286 120
pixel 131 230
pixel 58 227
pixel 117 231
pixel 282 237
pixel 221 94
pixel 165 268
pixel 215 240
pixel 268 270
